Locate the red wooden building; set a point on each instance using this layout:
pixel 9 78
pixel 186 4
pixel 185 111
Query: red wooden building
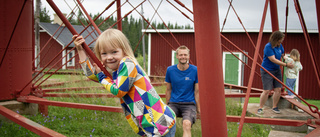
pixel 161 55
pixel 62 37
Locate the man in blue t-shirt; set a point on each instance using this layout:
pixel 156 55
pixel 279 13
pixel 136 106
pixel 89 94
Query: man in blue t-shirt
pixel 182 93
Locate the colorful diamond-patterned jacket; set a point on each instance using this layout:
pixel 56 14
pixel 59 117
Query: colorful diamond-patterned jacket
pixel 145 111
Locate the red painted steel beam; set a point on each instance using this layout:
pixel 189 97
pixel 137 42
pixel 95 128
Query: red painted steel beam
pixel 314 133
pixel 241 87
pixel 242 95
pixel 274 15
pixel 80 95
pixel 305 108
pixel 308 41
pixel 88 16
pixel 62 83
pixel 269 121
pixel 318 15
pixel 71 89
pixel 208 43
pixel 119 15
pixel 28 124
pixel 37 100
pixel 254 63
pixel 109 95
pixel 74 32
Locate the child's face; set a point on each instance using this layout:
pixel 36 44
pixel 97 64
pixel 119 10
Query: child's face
pixel 111 57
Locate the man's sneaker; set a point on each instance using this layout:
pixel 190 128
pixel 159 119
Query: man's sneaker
pixel 260 111
pixel 276 110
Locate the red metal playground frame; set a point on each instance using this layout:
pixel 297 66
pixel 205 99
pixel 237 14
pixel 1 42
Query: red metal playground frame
pixel 207 34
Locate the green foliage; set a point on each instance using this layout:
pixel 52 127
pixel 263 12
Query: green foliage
pixel 44 15
pixel 140 61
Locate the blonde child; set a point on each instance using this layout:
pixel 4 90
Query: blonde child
pixel 292 73
pixel 146 113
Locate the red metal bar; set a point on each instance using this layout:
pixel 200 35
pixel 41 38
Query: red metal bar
pixel 182 5
pixel 57 69
pixel 254 63
pixel 109 95
pixel 61 83
pixel 80 95
pixel 274 15
pixel 241 87
pixel 208 42
pixel 307 109
pixel 308 42
pixel 244 28
pixel 119 15
pixel 181 11
pixel 71 89
pixel 28 124
pixel 74 32
pixel 314 133
pixel 164 23
pixel 270 121
pixel 241 95
pixel 37 100
pixel 88 16
pixel 318 15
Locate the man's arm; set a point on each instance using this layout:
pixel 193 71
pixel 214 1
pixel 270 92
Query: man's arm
pixel 168 92
pixel 196 96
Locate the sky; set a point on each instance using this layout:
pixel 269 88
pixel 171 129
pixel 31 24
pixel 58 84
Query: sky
pixel 249 11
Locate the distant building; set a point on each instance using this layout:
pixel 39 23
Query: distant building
pixel 62 37
pixel 161 46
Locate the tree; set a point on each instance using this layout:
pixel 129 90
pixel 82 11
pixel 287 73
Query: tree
pixel 44 15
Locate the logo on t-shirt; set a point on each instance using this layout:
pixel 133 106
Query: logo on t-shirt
pixel 187 78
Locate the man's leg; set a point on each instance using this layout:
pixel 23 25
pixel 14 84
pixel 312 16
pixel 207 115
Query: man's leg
pixel 186 124
pixel 189 114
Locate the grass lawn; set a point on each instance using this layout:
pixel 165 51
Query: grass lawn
pixel 83 123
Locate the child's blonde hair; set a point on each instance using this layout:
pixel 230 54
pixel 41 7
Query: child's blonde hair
pixel 295 54
pixel 114 38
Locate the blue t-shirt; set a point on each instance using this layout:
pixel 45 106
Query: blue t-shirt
pixel 182 83
pixel 269 51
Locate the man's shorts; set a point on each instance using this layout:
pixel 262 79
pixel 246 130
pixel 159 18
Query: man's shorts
pixel 186 110
pixel 269 82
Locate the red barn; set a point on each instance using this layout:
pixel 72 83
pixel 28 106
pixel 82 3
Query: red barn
pixel 161 46
pixel 62 37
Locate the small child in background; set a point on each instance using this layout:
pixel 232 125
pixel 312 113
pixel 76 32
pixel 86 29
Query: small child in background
pixel 145 111
pixel 292 73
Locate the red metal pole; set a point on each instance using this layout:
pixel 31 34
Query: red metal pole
pixel 37 100
pixel 318 15
pixel 208 43
pixel 274 15
pixel 88 16
pixel 74 32
pixel 119 15
pixel 254 63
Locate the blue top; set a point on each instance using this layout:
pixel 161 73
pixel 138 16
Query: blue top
pixel 182 83
pixel 269 51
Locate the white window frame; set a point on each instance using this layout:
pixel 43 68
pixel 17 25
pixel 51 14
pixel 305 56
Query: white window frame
pixel 72 62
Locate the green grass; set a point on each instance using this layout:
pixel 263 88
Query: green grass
pixel 79 122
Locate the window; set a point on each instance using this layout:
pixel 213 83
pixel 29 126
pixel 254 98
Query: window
pixel 70 55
